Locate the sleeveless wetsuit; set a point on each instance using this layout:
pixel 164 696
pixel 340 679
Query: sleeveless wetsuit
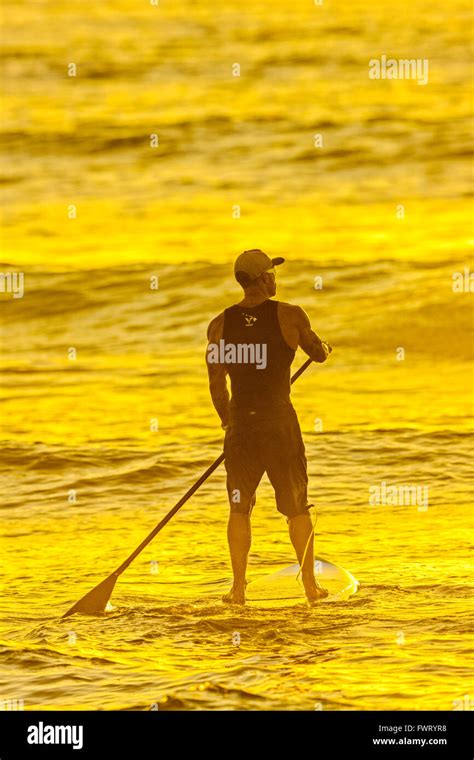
pixel 258 388
pixel 264 434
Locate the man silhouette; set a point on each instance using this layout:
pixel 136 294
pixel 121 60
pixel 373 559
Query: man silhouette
pixel 262 429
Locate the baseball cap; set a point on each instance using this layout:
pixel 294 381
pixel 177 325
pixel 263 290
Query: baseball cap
pixel 251 264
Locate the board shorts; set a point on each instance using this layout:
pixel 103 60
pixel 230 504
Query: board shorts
pixel 272 444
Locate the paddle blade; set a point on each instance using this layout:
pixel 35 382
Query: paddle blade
pixel 95 601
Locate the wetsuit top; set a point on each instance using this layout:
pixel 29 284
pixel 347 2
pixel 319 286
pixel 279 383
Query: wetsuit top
pixel 257 358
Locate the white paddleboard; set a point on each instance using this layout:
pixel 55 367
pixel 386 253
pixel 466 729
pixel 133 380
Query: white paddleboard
pixel 284 589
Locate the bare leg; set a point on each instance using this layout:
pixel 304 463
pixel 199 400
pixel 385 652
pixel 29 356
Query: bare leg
pixel 300 528
pixel 239 537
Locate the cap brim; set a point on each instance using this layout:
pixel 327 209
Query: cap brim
pixel 277 261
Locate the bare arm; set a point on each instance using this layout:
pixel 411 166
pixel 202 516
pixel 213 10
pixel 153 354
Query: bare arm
pixel 317 349
pixel 217 372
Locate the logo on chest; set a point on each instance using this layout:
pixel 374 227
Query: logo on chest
pixel 249 320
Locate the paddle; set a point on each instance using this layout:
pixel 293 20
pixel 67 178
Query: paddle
pixel 95 601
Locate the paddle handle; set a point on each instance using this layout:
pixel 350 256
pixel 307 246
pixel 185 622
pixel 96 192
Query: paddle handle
pixel 300 370
pixel 189 493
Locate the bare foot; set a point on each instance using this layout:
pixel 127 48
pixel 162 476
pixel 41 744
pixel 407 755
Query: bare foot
pixel 315 593
pixel 235 595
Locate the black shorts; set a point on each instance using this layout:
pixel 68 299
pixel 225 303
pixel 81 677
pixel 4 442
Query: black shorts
pixel 254 445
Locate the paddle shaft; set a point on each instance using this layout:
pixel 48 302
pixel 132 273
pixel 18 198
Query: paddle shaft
pixel 189 493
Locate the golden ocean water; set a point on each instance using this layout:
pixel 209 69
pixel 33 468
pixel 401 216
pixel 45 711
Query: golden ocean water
pixel 127 191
